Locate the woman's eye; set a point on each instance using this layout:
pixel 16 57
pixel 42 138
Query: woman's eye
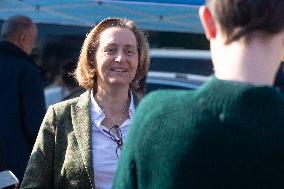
pixel 130 52
pixel 110 50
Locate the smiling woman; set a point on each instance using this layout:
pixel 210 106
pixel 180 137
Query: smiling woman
pixel 117 58
pixel 80 139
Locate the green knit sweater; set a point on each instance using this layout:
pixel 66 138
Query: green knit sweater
pixel 223 135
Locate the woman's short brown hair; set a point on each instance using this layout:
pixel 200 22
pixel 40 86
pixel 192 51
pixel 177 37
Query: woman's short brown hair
pixel 86 69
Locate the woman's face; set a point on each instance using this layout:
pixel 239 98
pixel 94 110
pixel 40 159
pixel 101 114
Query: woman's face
pixel 116 57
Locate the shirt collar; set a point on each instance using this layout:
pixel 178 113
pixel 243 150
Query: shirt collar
pixel 98 114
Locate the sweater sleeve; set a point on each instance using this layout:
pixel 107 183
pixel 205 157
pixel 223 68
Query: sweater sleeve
pixel 126 174
pixel 125 177
pixel 39 172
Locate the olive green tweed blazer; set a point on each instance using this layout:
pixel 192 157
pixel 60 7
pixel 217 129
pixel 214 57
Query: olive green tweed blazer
pixel 62 154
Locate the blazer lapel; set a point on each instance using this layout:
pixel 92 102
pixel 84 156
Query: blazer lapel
pixel 81 120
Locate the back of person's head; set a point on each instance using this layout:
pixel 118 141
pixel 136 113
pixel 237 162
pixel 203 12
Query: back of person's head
pixel 21 31
pixel 239 18
pixel 14 25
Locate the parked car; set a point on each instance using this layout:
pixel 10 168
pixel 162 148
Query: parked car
pixel 181 60
pixel 171 80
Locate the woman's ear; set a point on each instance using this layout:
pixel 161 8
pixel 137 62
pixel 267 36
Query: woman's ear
pixel 207 22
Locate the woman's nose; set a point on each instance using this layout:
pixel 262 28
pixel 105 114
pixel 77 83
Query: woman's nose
pixel 120 57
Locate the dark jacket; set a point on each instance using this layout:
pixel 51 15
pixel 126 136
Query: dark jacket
pixel 22 106
pixel 1 154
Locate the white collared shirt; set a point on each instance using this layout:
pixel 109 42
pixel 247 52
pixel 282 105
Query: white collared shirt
pixel 103 147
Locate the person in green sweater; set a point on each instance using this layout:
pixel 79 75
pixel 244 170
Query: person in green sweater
pixel 227 134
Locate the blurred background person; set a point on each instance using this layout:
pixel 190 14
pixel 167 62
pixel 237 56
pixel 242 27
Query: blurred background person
pixel 65 85
pixel 55 91
pixel 79 142
pixel 140 92
pixel 279 80
pixel 74 90
pixel 230 132
pixel 23 107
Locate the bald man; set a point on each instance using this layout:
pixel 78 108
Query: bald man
pixel 21 93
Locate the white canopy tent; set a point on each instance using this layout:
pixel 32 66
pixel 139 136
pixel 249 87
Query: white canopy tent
pixel 154 15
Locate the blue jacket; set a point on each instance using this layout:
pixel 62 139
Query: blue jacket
pixel 22 106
